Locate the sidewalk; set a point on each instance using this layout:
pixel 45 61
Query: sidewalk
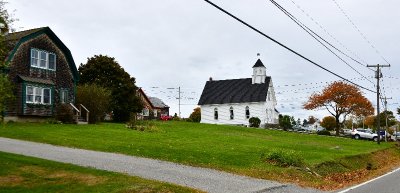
pixel 209 180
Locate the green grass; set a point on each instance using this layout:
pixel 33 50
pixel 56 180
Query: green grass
pixel 228 148
pixel 25 174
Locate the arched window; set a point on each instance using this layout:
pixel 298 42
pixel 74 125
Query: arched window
pixel 216 114
pixel 231 113
pixel 247 112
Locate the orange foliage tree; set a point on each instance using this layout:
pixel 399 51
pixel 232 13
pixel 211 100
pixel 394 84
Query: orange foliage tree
pixel 340 99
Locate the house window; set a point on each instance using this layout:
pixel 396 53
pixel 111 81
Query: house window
pixel 216 114
pixel 247 112
pixel 231 113
pixel 42 59
pixel 34 58
pixel 38 95
pixel 146 112
pixel 64 96
pixel 155 113
pixel 29 94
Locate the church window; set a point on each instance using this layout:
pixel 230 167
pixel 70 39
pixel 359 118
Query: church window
pixel 216 114
pixel 247 112
pixel 231 113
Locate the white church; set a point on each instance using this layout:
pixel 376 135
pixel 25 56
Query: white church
pixel 233 102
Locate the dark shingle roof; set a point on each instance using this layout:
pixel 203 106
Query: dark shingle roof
pixel 234 91
pixel 158 103
pixel 258 64
pixel 18 35
pixel 36 80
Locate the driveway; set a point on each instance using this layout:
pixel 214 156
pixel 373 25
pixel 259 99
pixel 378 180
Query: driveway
pixel 199 178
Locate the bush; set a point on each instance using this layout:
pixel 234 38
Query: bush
pixel 96 99
pixel 176 119
pixel 254 122
pixel 196 115
pixel 323 132
pixel 141 125
pixel 283 158
pixel 65 114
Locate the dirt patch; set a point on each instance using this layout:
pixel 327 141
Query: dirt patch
pixel 62 176
pixel 34 169
pixel 11 180
pixel 87 179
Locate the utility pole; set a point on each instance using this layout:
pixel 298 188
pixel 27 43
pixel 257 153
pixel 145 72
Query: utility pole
pixel 179 95
pixel 386 117
pixel 378 75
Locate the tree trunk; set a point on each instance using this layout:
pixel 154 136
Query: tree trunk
pixel 337 126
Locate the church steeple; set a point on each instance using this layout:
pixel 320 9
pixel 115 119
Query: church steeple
pixel 259 73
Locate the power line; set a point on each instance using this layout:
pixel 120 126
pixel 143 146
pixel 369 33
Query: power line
pixel 319 38
pixel 359 31
pixel 282 45
pixel 329 34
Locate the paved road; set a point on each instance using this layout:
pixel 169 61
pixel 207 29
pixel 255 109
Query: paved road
pixel 199 178
pixel 389 183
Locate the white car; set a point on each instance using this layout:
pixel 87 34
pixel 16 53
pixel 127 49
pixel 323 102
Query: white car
pixel 364 134
pixel 395 136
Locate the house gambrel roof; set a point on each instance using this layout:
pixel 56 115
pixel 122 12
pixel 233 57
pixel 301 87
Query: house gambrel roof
pixel 234 91
pixel 17 38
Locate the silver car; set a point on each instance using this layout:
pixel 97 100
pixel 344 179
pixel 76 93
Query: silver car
pixel 364 134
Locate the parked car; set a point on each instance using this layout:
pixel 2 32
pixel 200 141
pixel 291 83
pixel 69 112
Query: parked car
pixel 395 136
pixel 347 132
pixel 364 134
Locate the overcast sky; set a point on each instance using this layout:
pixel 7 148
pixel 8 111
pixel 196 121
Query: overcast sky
pixel 181 43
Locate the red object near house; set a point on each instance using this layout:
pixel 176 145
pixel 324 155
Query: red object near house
pixel 165 117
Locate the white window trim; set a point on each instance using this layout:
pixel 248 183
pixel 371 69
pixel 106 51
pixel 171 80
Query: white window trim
pixel 64 96
pixel 34 90
pixel 39 59
pixel 146 112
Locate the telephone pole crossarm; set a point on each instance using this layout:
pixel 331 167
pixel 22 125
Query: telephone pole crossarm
pixel 378 75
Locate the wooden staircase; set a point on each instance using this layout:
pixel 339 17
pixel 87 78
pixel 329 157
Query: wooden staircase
pixel 80 117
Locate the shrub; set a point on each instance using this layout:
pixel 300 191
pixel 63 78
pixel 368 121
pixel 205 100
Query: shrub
pixel 283 158
pixel 96 99
pixel 323 132
pixel 196 115
pixel 65 114
pixel 254 122
pixel 141 125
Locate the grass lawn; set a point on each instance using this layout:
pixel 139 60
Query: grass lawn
pixel 25 174
pixel 229 148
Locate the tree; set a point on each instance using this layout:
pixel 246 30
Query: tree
pixel 6 94
pixel 196 115
pixel 96 98
pixel 6 87
pixel 370 121
pixel 329 123
pixel 106 72
pixel 305 122
pixel 285 122
pixel 311 120
pixel 391 120
pixel 340 99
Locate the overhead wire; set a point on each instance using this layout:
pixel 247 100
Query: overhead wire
pixel 319 38
pixel 334 38
pixel 359 31
pixel 284 46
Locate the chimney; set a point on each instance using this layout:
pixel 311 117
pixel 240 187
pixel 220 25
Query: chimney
pixel 211 79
